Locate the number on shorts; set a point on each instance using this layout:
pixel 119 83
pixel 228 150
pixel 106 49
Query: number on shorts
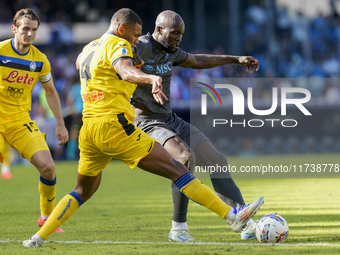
pixel 30 126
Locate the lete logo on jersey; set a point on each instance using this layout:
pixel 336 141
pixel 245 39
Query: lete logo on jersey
pixel 15 77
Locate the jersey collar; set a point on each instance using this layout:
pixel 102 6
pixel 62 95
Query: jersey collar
pixel 17 52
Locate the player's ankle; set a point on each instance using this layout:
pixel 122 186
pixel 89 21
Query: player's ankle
pixel 179 225
pixel 38 238
pixel 231 215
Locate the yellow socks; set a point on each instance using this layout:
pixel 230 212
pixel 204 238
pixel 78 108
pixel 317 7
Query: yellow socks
pixel 64 210
pixel 201 194
pixel 6 153
pixel 47 190
pixel 187 184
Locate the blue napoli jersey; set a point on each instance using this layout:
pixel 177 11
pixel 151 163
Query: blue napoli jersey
pixel 157 62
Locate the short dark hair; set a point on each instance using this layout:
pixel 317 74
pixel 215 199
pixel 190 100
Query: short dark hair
pixel 28 13
pixel 126 16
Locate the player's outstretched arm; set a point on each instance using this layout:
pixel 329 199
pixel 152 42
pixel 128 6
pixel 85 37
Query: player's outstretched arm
pixel 131 74
pixel 53 101
pixel 205 61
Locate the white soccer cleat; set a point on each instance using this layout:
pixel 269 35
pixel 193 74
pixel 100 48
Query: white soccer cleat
pixel 180 236
pixel 244 213
pixel 33 242
pixel 249 232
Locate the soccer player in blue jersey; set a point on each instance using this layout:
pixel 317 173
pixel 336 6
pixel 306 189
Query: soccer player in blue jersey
pixel 108 79
pixel 21 66
pixel 160 52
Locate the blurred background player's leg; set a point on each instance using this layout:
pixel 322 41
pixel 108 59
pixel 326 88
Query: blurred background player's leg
pixel 6 165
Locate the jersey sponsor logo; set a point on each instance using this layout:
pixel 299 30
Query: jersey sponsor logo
pixel 92 97
pixel 15 77
pixel 6 61
pixel 33 66
pixel 150 61
pixel 148 68
pixel 164 68
pixel 14 92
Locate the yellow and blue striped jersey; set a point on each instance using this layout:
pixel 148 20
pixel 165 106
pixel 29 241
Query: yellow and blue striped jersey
pixel 103 91
pixel 19 73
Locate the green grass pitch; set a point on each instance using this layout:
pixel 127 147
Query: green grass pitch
pixel 131 213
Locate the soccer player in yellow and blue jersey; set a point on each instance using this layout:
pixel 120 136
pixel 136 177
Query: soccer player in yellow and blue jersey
pixel 21 66
pixel 108 79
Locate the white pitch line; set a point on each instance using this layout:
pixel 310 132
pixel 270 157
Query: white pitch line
pixel 195 243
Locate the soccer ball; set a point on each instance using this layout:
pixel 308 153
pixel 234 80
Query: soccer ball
pixel 272 228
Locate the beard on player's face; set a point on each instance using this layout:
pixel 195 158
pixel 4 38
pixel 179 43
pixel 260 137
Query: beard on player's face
pixel 165 43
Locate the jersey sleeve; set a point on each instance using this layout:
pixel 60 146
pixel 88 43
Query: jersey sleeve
pixel 46 69
pixel 181 57
pixel 120 50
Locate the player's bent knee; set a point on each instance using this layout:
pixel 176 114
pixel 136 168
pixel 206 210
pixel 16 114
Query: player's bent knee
pixel 83 194
pixel 47 170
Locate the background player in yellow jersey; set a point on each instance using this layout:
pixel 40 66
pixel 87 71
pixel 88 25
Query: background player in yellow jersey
pixel 108 79
pixel 6 164
pixel 21 66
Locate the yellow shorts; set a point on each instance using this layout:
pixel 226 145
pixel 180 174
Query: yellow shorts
pixel 24 136
pixel 103 138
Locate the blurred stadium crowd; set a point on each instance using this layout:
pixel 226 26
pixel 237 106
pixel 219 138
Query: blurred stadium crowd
pixel 293 46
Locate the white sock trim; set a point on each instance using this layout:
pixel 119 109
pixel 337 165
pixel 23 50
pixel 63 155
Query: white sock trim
pixel 179 225
pixel 5 169
pixel 44 217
